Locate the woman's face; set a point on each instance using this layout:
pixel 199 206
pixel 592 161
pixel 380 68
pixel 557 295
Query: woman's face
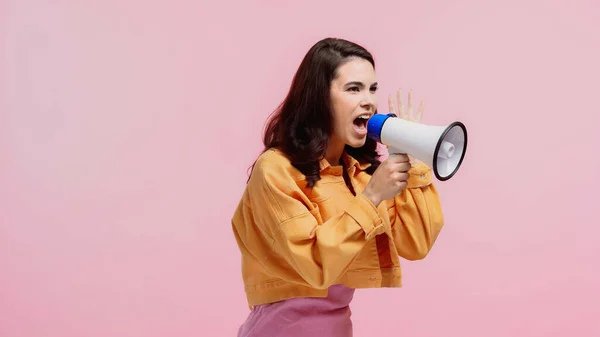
pixel 353 101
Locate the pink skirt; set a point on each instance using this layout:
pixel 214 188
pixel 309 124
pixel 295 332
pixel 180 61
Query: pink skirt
pixel 303 317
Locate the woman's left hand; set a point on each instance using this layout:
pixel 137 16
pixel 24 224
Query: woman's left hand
pixel 407 113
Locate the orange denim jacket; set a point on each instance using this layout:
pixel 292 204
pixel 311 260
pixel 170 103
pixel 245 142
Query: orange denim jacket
pixel 297 241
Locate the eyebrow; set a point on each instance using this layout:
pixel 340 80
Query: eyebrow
pixel 360 84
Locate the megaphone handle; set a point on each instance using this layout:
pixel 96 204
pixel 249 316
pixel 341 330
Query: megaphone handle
pixel 392 151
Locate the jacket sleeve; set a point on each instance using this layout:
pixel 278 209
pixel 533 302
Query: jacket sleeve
pixel 416 216
pixel 306 250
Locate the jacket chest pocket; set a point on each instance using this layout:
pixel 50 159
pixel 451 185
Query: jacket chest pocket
pixel 316 212
pixel 330 199
pixel 322 209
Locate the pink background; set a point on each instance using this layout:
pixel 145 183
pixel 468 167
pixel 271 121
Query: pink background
pixel 117 179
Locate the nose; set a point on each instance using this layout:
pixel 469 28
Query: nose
pixel 369 101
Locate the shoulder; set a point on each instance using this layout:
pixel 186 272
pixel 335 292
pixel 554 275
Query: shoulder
pixel 273 167
pixel 274 186
pixel 273 157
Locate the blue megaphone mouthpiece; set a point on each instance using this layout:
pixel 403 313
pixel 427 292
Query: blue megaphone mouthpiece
pixel 375 125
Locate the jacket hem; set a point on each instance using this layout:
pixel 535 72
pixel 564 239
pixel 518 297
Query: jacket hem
pixel 279 290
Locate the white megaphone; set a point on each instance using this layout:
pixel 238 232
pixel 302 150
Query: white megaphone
pixel 440 147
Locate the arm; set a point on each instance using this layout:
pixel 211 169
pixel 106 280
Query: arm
pixel 305 250
pixel 416 215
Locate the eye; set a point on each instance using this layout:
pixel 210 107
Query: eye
pixel 356 89
pixel 374 89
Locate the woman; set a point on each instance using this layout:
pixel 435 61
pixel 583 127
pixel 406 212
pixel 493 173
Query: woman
pixel 321 215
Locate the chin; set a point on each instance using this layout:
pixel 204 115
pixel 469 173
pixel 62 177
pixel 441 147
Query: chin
pixel 357 143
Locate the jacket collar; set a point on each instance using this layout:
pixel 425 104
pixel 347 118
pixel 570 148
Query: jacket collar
pixel 348 160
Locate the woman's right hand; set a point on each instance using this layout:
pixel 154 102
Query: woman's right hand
pixel 389 179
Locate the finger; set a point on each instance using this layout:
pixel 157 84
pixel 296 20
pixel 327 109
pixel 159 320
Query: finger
pixel 421 108
pixel 404 167
pixel 410 113
pixel 399 158
pixel 401 184
pixel 390 170
pixel 392 106
pixel 396 176
pixel 400 176
pixel 401 112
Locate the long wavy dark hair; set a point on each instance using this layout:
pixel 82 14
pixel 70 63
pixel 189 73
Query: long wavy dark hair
pixel 302 124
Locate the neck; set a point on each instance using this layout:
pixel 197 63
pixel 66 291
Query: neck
pixel 334 152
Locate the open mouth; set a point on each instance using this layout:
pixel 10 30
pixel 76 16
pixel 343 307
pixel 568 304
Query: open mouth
pixel 360 123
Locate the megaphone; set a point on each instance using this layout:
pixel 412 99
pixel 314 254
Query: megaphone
pixel 440 147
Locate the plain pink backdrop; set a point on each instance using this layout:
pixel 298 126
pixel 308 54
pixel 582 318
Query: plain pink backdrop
pixel 127 127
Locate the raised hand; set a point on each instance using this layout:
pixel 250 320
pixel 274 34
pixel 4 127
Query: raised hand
pixel 398 108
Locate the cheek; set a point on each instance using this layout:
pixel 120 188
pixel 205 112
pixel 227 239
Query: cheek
pixel 344 107
pixel 341 119
pixel 340 111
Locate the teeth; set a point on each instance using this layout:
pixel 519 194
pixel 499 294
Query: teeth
pixel 363 117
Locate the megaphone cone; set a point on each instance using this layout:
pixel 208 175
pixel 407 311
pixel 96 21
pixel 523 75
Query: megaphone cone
pixel 442 148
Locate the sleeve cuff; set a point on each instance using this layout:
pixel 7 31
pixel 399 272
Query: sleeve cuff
pixel 420 176
pixel 364 212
